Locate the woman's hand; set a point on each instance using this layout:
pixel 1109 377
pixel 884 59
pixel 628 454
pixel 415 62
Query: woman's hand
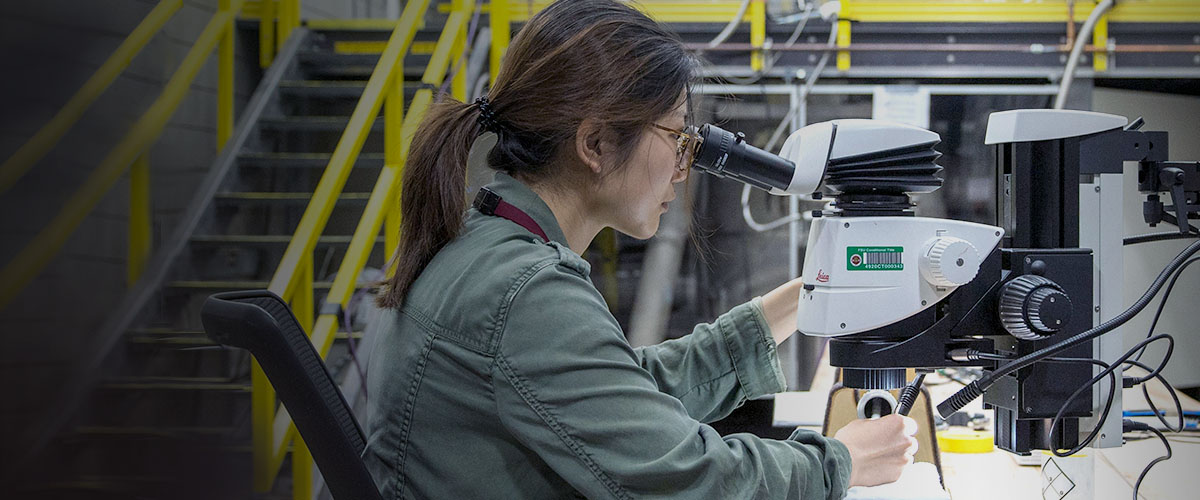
pixel 879 449
pixel 779 306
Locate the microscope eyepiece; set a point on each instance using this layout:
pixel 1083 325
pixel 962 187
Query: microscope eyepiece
pixel 725 154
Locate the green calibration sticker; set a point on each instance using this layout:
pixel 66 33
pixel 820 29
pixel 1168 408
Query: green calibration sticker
pixel 874 258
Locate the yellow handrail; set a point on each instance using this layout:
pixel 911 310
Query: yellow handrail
pixel 35 256
pixel 272 430
pixel 504 12
pixel 41 142
pixel 283 283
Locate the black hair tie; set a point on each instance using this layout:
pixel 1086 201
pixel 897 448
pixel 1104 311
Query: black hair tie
pixel 487 116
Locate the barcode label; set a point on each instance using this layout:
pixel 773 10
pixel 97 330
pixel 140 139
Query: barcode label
pixel 874 258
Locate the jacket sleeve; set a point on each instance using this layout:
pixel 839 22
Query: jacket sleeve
pixel 570 389
pixel 719 365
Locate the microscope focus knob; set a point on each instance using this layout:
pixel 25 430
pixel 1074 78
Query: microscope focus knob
pixel 1033 307
pixel 949 262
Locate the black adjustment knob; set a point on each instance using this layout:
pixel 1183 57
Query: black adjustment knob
pixel 1033 307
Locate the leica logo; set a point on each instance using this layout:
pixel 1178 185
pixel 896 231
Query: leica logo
pixel 822 277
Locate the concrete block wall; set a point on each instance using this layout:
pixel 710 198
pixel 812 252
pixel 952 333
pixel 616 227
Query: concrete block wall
pixel 49 49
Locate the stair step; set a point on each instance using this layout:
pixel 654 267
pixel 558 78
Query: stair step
pixel 323 58
pixel 278 197
pixel 304 160
pixel 325 64
pixel 234 285
pixel 96 487
pixel 324 88
pixel 170 432
pixel 181 338
pixel 268 240
pixel 313 123
pixel 205 384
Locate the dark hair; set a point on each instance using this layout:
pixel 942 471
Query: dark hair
pixel 576 59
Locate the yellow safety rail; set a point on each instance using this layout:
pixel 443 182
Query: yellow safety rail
pixel 1014 11
pixel 1011 11
pixel 505 12
pixel 272 426
pixel 41 142
pixel 277 19
pixel 130 151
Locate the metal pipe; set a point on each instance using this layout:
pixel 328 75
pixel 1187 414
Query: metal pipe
pixel 956 47
pixel 1077 50
pixel 862 89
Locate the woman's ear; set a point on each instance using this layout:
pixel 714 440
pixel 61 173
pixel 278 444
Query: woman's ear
pixel 590 145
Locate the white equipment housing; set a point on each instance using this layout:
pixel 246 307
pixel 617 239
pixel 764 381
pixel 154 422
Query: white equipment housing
pixel 869 272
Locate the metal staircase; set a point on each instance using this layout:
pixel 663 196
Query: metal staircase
pixel 170 415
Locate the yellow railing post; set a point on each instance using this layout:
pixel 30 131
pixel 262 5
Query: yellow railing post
pixel 225 81
pixel 458 65
pixel 302 470
pixel 303 308
pixel 500 36
pixel 45 138
pixel 283 28
pixel 262 417
pixel 1100 40
pixel 139 219
pixel 843 40
pixel 758 32
pixel 23 268
pixel 393 154
pixel 293 278
pixel 266 34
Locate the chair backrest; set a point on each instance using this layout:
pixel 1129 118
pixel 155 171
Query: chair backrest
pixel 260 322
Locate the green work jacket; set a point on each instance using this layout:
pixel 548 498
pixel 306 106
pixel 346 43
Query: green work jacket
pixel 505 376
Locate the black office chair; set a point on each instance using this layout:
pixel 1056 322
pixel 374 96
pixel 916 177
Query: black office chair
pixel 261 322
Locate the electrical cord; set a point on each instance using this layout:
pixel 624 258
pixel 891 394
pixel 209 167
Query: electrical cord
pixel 1159 414
pixel 908 395
pixel 1126 383
pixel 975 389
pixel 1112 392
pixel 1056 422
pixel 1129 426
pixel 809 81
pixel 1085 32
pixel 762 227
pixel 732 26
pixel 1163 302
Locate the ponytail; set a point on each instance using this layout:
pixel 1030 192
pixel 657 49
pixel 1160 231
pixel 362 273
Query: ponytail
pixel 576 59
pixel 433 192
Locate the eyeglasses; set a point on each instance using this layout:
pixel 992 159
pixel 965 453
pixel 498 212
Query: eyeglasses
pixel 683 138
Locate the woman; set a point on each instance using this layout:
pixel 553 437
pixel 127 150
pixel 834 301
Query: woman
pixel 500 373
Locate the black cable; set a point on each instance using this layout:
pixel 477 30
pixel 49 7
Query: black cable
pixel 975 389
pixel 1112 392
pixel 1163 302
pixel 908 395
pixel 1108 370
pixel 1146 394
pixel 1169 235
pixel 1129 425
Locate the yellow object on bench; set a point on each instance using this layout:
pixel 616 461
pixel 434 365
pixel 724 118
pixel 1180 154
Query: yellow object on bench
pixel 965 441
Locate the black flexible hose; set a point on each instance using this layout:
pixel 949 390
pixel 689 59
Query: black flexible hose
pixel 1169 235
pixel 975 389
pixel 908 395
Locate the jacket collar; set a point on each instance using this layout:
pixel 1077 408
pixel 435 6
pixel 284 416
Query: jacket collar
pixel 519 195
